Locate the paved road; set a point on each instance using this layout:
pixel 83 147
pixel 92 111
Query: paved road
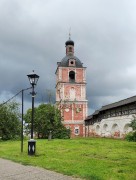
pixel 14 171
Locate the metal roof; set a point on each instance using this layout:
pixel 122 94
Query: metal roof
pixel 65 61
pixel 88 117
pixel 69 42
pixel 96 112
pixel 119 103
pixel 113 105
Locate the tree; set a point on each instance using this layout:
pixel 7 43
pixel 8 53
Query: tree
pixel 132 135
pixel 47 118
pixel 10 124
pixel 133 123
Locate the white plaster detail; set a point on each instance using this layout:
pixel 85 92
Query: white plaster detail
pixel 60 74
pixel 81 92
pixel 75 75
pixel 63 92
pixel 67 110
pixel 72 93
pixel 73 122
pixel 72 113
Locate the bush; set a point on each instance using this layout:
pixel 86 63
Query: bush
pixel 131 136
pixel 61 133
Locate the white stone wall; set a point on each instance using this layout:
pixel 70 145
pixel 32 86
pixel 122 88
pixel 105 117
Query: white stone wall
pixel 112 127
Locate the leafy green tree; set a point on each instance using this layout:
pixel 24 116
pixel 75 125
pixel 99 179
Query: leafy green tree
pixel 132 135
pixel 133 123
pixel 10 124
pixel 47 118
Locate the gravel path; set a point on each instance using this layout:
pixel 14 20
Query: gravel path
pixel 13 171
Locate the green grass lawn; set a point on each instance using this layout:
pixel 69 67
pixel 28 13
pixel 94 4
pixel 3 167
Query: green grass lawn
pixel 87 158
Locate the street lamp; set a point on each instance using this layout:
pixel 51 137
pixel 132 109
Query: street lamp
pixel 33 78
pixel 23 116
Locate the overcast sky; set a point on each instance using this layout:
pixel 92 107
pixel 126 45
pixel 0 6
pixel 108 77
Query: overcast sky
pixel 33 35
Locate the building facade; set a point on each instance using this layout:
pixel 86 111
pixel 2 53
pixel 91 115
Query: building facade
pixel 71 91
pixel 112 120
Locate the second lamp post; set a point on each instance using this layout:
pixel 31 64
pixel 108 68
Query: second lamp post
pixel 33 78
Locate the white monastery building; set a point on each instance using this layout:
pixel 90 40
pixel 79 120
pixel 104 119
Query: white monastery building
pixel 112 120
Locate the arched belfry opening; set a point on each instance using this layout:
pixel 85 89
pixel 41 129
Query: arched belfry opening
pixel 71 76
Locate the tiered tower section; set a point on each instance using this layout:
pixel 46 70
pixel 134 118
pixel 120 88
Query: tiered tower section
pixel 71 91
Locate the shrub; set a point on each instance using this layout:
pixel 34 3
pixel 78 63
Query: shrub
pixel 131 136
pixel 61 133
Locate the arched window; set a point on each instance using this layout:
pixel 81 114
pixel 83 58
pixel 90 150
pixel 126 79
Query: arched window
pixel 115 130
pixel 71 76
pixel 105 127
pixel 98 129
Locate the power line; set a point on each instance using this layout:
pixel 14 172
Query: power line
pixel 10 98
pixel 14 96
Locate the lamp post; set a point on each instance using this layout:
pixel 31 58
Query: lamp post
pixel 23 116
pixel 33 78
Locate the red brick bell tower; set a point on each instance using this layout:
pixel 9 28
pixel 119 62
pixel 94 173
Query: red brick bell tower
pixel 71 91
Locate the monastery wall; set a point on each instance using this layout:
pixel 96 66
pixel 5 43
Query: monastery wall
pixel 116 127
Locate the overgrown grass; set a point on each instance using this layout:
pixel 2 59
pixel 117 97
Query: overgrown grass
pixel 87 158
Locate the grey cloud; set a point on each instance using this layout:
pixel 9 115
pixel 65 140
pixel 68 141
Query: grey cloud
pixel 33 35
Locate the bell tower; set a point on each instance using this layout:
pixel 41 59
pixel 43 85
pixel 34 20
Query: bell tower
pixel 71 91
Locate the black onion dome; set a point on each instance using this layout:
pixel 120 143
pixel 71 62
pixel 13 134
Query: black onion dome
pixel 69 42
pixel 65 61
